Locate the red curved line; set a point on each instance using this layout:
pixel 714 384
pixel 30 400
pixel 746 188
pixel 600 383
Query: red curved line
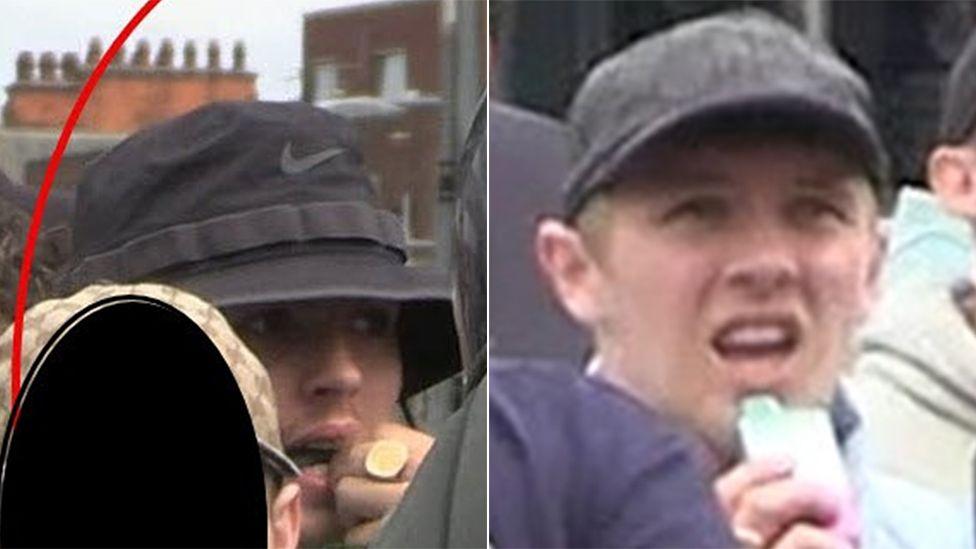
pixel 52 169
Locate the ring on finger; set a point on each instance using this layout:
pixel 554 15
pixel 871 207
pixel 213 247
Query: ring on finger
pixel 386 459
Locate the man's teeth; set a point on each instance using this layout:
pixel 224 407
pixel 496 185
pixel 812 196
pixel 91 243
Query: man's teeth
pixel 754 336
pixel 320 468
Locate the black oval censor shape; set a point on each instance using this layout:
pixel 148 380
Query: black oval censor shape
pixel 131 432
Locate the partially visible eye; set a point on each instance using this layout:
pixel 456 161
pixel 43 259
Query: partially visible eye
pixel 373 322
pixel 706 209
pixel 819 210
pixel 262 323
pixel 256 325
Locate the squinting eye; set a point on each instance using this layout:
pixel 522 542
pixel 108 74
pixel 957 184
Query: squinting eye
pixel 269 321
pixel 815 209
pixel 697 209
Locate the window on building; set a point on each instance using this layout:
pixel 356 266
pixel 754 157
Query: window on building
pixel 406 216
pixel 392 75
pixel 326 78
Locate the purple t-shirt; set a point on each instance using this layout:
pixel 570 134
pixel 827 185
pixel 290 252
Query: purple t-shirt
pixel 574 462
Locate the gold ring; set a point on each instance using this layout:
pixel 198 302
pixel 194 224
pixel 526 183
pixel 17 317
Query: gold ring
pixel 386 459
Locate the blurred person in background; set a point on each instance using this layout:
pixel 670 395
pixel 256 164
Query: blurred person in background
pixel 925 244
pixel 916 374
pixel 529 160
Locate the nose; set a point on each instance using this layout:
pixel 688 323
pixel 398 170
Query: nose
pixel 337 372
pixel 763 263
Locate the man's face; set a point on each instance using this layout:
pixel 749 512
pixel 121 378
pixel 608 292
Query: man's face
pixel 335 367
pixel 729 268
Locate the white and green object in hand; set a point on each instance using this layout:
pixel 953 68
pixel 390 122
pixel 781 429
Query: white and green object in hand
pixel 803 434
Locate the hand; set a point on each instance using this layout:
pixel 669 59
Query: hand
pixel 767 507
pixel 362 501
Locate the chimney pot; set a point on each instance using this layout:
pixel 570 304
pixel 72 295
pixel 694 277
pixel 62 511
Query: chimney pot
pixel 25 66
pixel 70 67
pixel 213 56
pixel 164 57
pixel 141 57
pixel 119 59
pixel 48 65
pixel 189 55
pixel 240 53
pixel 94 51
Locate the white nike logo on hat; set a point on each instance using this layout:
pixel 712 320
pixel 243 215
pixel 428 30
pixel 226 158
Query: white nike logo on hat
pixel 291 165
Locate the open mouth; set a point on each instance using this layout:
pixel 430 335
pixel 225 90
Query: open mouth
pixel 313 459
pixel 757 338
pixel 313 456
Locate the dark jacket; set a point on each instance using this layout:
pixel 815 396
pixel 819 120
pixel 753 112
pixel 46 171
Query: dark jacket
pixel 577 463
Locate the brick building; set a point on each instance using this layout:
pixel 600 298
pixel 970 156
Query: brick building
pixel 145 88
pixel 387 66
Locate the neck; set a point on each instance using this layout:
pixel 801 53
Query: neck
pixel 714 459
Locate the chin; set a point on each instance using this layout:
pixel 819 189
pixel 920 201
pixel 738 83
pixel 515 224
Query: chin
pixel 722 451
pixel 719 437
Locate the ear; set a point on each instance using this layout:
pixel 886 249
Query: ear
pixel 570 269
pixel 878 249
pixel 285 519
pixel 952 175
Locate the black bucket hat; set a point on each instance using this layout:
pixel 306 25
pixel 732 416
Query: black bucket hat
pixel 258 203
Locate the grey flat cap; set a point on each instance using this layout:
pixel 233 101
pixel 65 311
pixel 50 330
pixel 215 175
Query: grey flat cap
pixel 744 62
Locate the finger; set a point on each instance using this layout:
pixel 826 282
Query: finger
pixel 417 441
pixel 418 444
pixel 730 486
pixel 808 536
pixel 358 499
pixel 350 462
pixel 363 534
pixel 750 539
pixel 772 508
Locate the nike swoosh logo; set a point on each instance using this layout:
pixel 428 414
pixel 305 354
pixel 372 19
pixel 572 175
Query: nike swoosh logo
pixel 291 165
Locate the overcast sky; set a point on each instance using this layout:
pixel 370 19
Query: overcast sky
pixel 271 30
